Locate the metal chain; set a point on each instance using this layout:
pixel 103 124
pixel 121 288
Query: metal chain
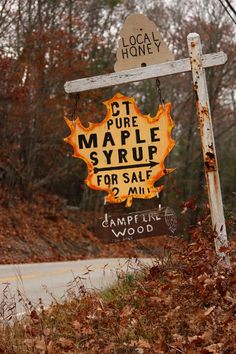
pixel 161 99
pixel 77 96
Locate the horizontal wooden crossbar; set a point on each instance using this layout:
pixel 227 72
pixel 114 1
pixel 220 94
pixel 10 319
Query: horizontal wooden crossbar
pixel 144 73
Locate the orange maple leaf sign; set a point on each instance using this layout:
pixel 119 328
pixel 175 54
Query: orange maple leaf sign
pixel 124 153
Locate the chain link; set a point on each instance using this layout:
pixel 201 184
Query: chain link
pixel 77 96
pixel 161 99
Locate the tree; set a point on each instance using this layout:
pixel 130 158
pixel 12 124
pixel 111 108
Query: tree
pixel 53 42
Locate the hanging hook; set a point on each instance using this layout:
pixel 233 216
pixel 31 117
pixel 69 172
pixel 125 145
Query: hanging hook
pixel 161 99
pixel 77 96
pixel 105 211
pixel 157 196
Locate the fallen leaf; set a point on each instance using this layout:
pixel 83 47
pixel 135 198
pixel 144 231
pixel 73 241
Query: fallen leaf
pixel 87 330
pixel 142 343
pixel 195 340
pixel 153 300
pixel 34 316
pixel 229 298
pixel 47 332
pixel 214 348
pixel 29 343
pixel 66 343
pixel 51 348
pixel 77 325
pixel 139 350
pixel 155 271
pixel 208 311
pixel 40 344
pixel 126 311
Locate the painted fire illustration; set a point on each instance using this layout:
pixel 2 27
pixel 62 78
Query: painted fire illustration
pixel 124 153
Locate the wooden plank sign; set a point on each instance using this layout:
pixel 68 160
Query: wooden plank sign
pixel 132 226
pixel 143 73
pixel 140 44
pixel 124 153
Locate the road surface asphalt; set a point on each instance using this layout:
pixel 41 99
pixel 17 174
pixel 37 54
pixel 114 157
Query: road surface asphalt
pixel 50 282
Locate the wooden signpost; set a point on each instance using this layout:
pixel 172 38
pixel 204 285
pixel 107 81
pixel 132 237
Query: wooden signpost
pixel 197 62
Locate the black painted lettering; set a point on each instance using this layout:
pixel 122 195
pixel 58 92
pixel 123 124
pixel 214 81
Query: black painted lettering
pixel 126 122
pixel 122 155
pixel 126 104
pixel 148 175
pixel 118 123
pixel 115 190
pixel 93 158
pixel 123 43
pixel 133 51
pixel 126 177
pixel 108 155
pixel 146 38
pixel 117 112
pixel 134 178
pixel 108 138
pixel 132 40
pixel 125 134
pixel 99 179
pixel 153 37
pixel 109 123
pixel 158 45
pixel 125 53
pixel 141 177
pixel 152 150
pixel 153 132
pixel 114 179
pixel 132 190
pixel 138 138
pixel 141 50
pixel 107 180
pixel 149 48
pixel 91 142
pixel 139 41
pixel 134 121
pixel 137 153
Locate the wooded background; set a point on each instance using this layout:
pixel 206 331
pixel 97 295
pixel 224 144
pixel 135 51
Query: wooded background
pixel 46 42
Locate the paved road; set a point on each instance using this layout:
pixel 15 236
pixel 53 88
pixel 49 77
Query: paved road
pixel 57 281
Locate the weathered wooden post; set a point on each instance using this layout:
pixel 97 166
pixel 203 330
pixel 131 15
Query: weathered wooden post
pixel 208 146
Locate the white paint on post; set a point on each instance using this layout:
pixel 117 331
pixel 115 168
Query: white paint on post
pixel 143 73
pixel 208 146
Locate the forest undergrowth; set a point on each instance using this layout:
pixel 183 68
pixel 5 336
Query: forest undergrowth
pixel 184 303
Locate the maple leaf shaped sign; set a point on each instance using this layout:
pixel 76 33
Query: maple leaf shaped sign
pixel 124 153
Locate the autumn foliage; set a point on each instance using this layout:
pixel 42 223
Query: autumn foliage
pixel 46 43
pixel 184 303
